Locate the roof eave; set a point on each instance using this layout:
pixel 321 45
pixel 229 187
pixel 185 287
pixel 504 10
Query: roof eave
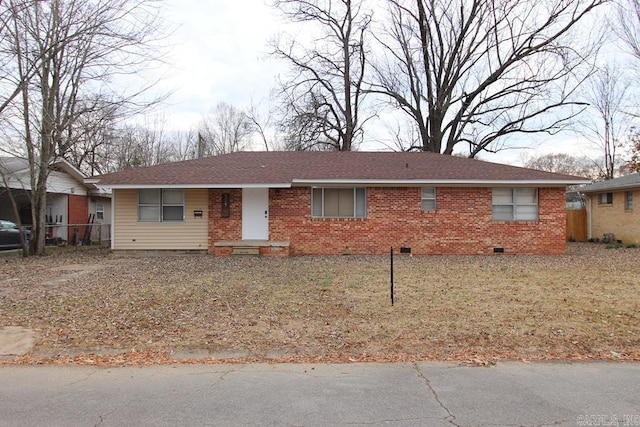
pixel 609 189
pixel 437 182
pixel 359 182
pixel 195 186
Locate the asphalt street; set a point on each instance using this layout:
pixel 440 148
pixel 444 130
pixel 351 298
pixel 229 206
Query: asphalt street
pixel 358 394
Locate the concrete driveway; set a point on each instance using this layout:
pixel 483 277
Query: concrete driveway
pixel 371 394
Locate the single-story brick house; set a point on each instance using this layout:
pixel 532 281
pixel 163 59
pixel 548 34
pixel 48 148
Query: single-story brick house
pixel 611 210
pixel 296 203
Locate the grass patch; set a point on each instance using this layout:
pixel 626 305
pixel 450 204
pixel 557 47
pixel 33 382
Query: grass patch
pixel 330 308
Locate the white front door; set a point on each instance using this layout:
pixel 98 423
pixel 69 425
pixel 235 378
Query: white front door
pixel 255 214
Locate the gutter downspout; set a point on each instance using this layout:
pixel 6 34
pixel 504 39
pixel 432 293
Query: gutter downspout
pixel 113 219
pixel 590 218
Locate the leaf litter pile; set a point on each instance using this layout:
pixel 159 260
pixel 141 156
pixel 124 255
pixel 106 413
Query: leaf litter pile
pixel 93 306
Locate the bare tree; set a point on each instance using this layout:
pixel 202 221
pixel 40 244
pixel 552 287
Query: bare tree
pixel 184 145
pixel 627 26
pixel 399 133
pixel 225 129
pixel 12 83
pixel 566 164
pixel 323 99
pixel 77 49
pixel 265 126
pixel 138 145
pixel 608 95
pixel 90 135
pixel 113 147
pixel 472 72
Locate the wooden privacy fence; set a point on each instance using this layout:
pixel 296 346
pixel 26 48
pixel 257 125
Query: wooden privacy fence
pixel 577 225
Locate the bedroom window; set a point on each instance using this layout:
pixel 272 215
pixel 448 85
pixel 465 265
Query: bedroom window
pixel 160 205
pixel 99 211
pixel 339 202
pixel 515 204
pixel 605 199
pixel 628 200
pixel 428 198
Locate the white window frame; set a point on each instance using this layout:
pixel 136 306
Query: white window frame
pixel 428 197
pixel 166 203
pixel 99 211
pixel 160 205
pixel 506 205
pixel 318 194
pixel 628 200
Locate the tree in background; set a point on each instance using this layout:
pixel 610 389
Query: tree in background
pixel 471 73
pixel 225 129
pixel 91 135
pixel 633 145
pixel 581 166
pixel 110 146
pixel 261 123
pixel 627 26
pixel 608 96
pixel 323 98
pixel 68 54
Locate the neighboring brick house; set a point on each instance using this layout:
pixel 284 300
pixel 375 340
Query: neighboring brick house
pixel 613 207
pixel 69 200
pixel 297 203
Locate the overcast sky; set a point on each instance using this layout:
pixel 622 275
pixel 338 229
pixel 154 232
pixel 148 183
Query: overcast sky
pixel 219 54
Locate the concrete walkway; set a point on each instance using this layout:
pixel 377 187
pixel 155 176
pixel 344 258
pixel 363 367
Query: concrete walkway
pixel 359 394
pixel 15 341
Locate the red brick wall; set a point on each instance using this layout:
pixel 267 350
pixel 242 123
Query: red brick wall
pixel 220 228
pixel 461 224
pixel 78 213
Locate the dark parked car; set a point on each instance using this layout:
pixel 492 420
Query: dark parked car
pixel 10 235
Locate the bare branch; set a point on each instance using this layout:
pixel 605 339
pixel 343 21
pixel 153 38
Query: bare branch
pixel 66 57
pixel 475 71
pixel 323 98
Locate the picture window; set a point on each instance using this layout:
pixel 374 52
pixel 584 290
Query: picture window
pixel 339 202
pixel 515 204
pixel 160 205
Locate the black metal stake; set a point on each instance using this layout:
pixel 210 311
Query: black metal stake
pixel 391 275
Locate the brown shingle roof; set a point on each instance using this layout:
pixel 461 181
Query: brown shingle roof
pixel 291 167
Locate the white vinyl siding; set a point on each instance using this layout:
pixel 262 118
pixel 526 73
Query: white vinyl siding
pixel 189 234
pixel 339 202
pixel 515 204
pixel 61 182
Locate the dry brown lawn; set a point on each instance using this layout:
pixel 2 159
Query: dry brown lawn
pixel 93 306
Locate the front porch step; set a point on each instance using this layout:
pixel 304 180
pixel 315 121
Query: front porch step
pixel 251 247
